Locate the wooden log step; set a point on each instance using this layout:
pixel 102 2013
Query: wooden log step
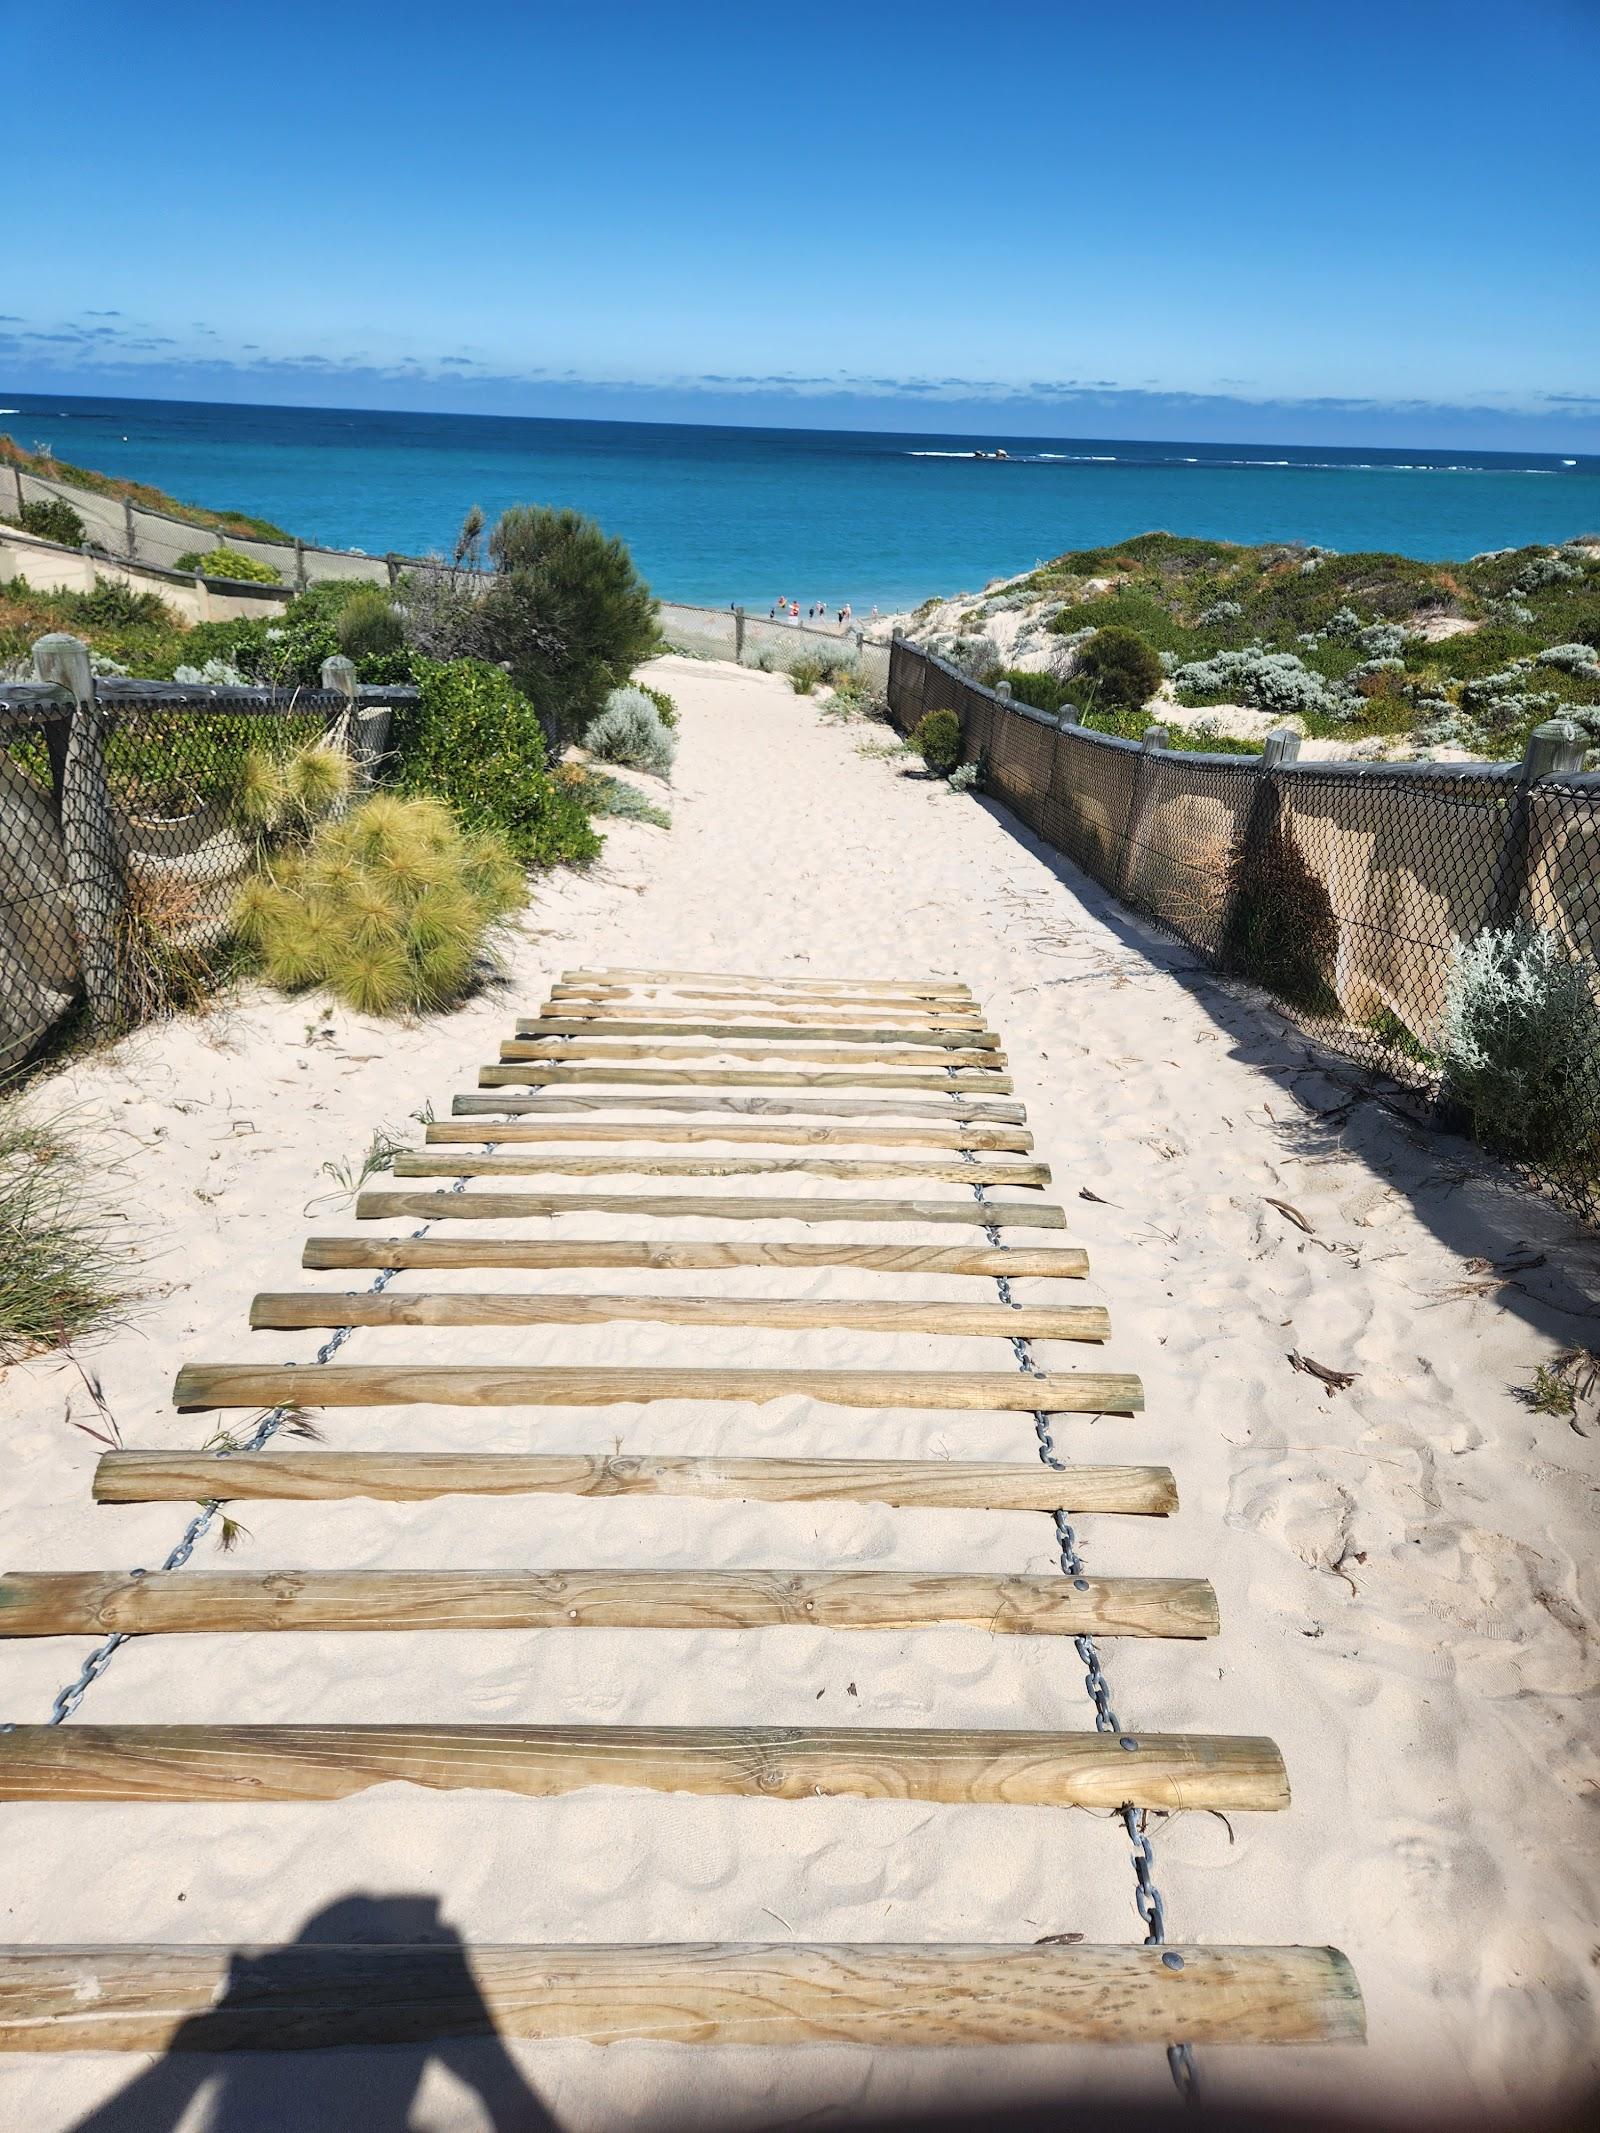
pixel 94 1603
pixel 498 1307
pixel 406 1477
pixel 982 1170
pixel 967 1081
pixel 964 1110
pixel 600 1017
pixel 332 1762
pixel 701 1207
pixel 307 1995
pixel 1045 1262
pixel 1074 1392
pixel 997 1140
pixel 698 1054
pixel 752 996
pixel 980 1040
pixel 627 975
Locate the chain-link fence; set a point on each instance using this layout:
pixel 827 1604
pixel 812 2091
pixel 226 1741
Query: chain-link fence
pixel 763 641
pixel 130 814
pixel 1438 921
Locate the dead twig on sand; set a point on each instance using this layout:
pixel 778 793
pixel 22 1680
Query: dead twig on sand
pixel 1332 1380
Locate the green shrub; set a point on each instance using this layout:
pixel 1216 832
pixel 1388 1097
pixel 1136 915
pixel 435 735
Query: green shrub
pixel 52 519
pixel 1125 670
pixel 389 908
pixel 937 740
pixel 1044 692
pixel 804 674
pixel 367 625
pixel 629 730
pixel 567 612
pixel 1521 1046
pixel 112 604
pixel 474 739
pixel 1281 929
pixel 228 563
pixel 664 704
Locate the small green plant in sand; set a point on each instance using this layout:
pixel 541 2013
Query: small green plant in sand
pixel 226 562
pixel 603 794
pixel 937 740
pixel 804 675
pixel 58 1275
pixel 389 908
pixel 630 730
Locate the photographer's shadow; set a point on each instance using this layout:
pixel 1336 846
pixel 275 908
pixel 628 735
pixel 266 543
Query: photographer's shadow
pixel 371 2083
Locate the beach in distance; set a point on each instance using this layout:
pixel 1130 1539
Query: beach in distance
pixel 877 519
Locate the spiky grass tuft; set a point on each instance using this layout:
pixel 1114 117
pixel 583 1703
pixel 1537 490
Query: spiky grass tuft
pixel 389 907
pixel 59 1276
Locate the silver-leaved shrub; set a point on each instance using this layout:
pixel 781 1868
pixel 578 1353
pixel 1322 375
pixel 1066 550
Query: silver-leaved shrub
pixel 1521 1045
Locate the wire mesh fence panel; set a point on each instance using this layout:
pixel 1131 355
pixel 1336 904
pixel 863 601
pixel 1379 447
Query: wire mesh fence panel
pixel 1090 801
pixel 707 632
pixel 1187 817
pixel 38 947
pixel 127 829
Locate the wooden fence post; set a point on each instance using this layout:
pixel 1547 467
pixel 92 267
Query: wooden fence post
pixel 130 529
pixel 299 564
pixel 96 877
pixel 1554 750
pixel 738 636
pixel 1140 796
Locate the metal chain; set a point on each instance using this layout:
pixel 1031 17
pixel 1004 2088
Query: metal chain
pixel 1147 1897
pixel 69 1698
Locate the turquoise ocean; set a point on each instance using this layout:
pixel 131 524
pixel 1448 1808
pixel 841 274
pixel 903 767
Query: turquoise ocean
pixel 717 515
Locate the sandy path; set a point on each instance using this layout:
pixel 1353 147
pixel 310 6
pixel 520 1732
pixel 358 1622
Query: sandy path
pixel 1406 1569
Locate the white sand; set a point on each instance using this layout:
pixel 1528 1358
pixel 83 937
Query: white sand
pixel 1406 1569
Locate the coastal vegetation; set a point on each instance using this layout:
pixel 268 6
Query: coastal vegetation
pixel 47 467
pixel 1372 648
pixel 937 739
pixel 388 908
pixel 630 730
pixel 59 1276
pixel 227 562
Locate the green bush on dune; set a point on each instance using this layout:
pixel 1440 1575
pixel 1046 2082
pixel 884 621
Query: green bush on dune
pixel 389 908
pixel 228 563
pixel 475 740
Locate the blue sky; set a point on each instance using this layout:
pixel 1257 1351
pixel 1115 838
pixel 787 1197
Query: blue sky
pixel 1373 223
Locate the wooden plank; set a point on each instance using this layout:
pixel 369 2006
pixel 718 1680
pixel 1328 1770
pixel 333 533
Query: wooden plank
pixel 94 1603
pixel 559 1048
pixel 1045 1262
pixel 784 982
pixel 500 1307
pixel 900 1003
pixel 406 1477
pixel 967 1081
pixel 332 1762
pixel 1015 1140
pixel 924 1993
pixel 563 1102
pixel 600 1016
pixel 982 1170
pixel 1075 1392
pixel 627 1025
pixel 700 1207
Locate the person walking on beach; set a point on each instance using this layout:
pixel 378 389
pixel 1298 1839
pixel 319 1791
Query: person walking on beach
pixel 794 614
